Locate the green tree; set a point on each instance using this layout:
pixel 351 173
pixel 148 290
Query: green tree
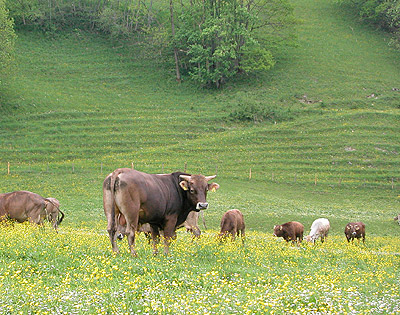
pixel 7 39
pixel 219 38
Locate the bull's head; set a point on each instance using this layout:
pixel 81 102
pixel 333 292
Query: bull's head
pixel 54 214
pixel 278 230
pixel 197 187
pixel 352 229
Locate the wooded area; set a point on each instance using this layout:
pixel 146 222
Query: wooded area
pixel 207 41
pixel 210 41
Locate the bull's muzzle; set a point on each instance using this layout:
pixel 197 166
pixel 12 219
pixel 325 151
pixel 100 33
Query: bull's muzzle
pixel 354 233
pixel 202 205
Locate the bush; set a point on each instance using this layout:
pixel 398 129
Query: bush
pixel 383 13
pixel 257 112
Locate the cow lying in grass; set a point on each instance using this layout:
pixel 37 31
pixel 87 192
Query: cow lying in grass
pixel 397 218
pixel 319 229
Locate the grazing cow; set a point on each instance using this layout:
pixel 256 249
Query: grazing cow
pixel 232 223
pixel 24 206
pixel 162 200
pixel 53 211
pixel 355 230
pixel 319 229
pixel 290 231
pixel 397 218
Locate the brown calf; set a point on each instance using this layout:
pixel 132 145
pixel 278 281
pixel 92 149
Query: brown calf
pixel 355 230
pixel 290 231
pixel 232 223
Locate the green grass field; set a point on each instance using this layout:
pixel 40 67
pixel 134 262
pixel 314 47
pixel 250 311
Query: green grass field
pixel 79 106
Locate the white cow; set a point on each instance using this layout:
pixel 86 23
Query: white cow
pixel 319 228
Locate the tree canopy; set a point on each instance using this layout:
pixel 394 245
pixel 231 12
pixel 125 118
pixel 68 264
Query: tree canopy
pixel 7 38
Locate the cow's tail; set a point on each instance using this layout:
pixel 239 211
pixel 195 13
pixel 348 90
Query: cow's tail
pixel 59 220
pixel 113 178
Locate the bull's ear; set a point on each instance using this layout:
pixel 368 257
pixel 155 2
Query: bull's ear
pixel 274 227
pixel 213 187
pixel 184 185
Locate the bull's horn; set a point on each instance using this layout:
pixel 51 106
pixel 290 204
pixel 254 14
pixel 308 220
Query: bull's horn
pixel 185 177
pixel 208 178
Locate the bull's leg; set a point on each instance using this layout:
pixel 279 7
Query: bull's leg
pixel 242 233
pixel 233 234
pixel 112 234
pixel 300 238
pixel 128 207
pixel 131 228
pixel 111 229
pixel 169 232
pixel 131 242
pixel 155 236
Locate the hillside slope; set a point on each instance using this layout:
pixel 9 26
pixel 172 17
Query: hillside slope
pixel 81 99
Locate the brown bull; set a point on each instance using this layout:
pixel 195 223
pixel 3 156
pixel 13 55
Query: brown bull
pixel 24 206
pixel 355 230
pixel 162 200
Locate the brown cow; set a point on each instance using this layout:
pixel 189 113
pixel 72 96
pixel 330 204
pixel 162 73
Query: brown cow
pixel 162 200
pixel 290 231
pixel 24 206
pixel 355 230
pixel 232 223
pixel 191 222
pixel 397 218
pixel 53 211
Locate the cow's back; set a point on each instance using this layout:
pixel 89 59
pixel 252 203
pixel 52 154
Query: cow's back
pixel 232 219
pixel 294 228
pixel 18 205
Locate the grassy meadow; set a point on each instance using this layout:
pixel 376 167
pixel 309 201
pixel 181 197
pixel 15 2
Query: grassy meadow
pixel 79 106
pixel 73 272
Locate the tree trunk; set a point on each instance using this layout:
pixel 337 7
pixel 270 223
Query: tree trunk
pixel 171 9
pixel 137 15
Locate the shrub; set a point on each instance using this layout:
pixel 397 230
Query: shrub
pixel 259 112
